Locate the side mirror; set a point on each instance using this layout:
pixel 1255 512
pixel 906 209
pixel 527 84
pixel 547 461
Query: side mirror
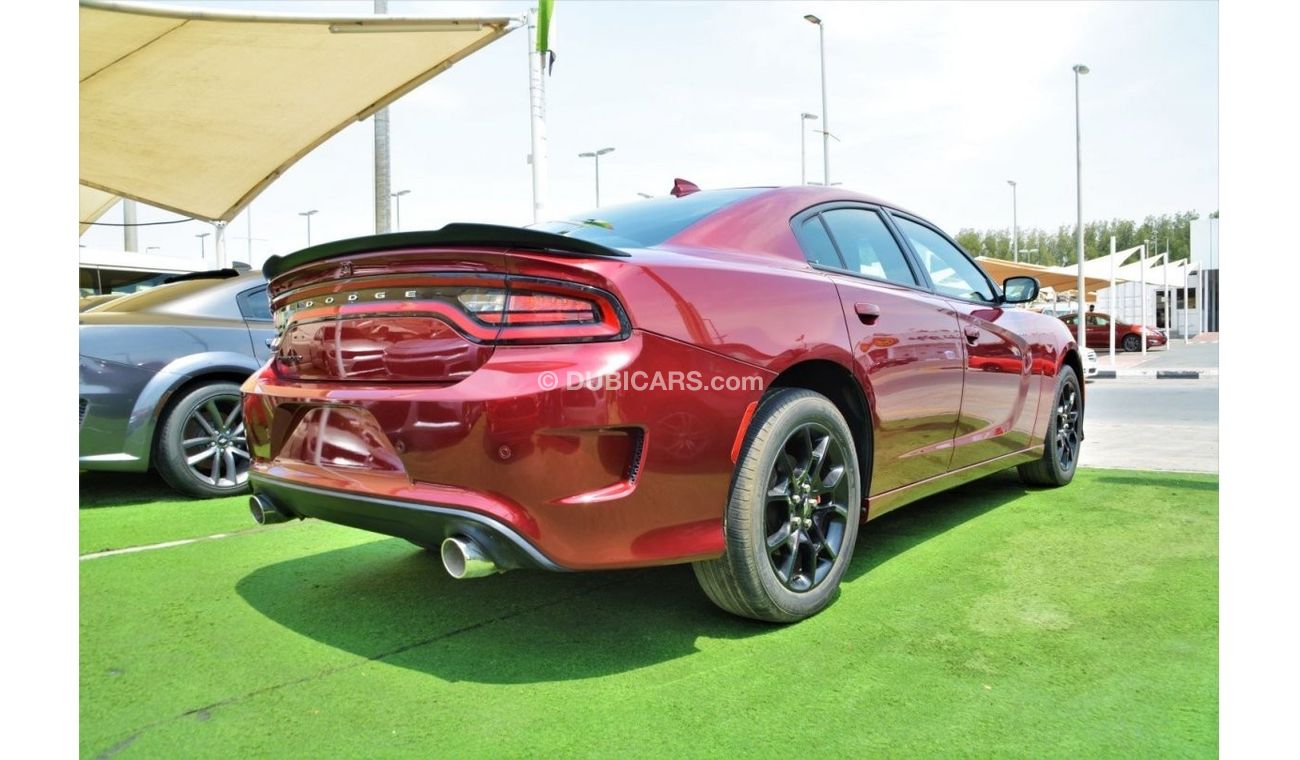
pixel 1019 290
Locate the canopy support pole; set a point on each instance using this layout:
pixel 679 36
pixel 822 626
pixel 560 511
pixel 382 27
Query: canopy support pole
pixel 1143 330
pixel 219 244
pixel 383 166
pixel 1112 301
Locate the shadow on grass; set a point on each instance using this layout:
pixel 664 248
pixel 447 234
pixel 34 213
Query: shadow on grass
pixel 386 600
pixel 116 489
pixel 1167 481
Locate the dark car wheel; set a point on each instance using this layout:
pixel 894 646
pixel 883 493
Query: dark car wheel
pixel 792 518
pixel 1132 342
pixel 202 448
pixel 1064 436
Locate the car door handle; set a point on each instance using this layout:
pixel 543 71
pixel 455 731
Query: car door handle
pixel 868 313
pixel 972 334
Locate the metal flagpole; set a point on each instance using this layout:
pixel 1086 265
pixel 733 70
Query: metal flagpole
pixel 1112 301
pixel 537 118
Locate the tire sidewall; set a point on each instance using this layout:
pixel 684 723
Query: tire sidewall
pixel 1132 343
pixel 807 407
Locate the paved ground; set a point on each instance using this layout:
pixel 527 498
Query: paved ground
pixel 1176 356
pixel 1153 424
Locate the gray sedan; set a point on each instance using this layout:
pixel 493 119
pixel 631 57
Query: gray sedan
pixel 160 377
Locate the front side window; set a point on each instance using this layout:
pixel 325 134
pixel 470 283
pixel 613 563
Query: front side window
pixel 1096 321
pixel 867 246
pixel 951 271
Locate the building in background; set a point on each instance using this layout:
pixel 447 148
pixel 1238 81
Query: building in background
pixel 1205 273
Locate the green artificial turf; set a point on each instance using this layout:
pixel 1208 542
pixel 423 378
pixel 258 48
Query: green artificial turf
pixel 992 620
pixel 121 510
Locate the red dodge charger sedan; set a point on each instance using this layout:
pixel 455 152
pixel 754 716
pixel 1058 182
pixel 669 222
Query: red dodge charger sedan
pixel 1127 337
pixel 732 378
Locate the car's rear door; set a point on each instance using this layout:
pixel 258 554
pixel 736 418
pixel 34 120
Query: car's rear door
pixel 998 404
pixel 906 343
pixel 255 307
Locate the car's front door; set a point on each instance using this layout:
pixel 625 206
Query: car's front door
pixel 998 408
pixel 906 343
pixel 1098 331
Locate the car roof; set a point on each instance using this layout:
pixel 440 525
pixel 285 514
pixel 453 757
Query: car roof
pixel 197 296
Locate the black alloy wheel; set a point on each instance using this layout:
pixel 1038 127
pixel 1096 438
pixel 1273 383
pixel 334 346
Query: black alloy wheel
pixel 807 506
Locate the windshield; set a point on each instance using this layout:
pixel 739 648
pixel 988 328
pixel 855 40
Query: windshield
pixel 645 223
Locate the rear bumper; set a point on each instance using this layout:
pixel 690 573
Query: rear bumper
pixel 589 477
pixel 422 523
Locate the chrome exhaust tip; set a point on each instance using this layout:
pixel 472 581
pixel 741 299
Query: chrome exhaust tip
pixel 264 512
pixel 462 558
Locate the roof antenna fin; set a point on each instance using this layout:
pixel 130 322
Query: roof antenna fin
pixel 683 187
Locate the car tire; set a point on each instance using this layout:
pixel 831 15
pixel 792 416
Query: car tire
pixel 1132 342
pixel 1064 436
pixel 804 505
pixel 202 449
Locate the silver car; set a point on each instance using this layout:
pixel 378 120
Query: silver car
pixel 160 377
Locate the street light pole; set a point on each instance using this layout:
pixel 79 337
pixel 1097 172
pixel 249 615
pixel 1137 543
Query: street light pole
pixel 308 215
pixel 1015 248
pixel 203 252
pixel 1080 70
pixel 803 146
pixel 826 119
pixel 596 155
pixel 397 210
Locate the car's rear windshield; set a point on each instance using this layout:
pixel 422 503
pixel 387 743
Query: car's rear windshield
pixel 645 223
pixel 160 296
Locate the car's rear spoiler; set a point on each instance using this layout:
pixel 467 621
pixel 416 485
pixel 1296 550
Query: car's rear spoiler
pixel 491 235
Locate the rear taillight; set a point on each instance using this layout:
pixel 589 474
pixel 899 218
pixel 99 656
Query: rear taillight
pixel 487 310
pixel 544 311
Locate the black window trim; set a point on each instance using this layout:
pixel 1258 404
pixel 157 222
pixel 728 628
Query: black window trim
pixel 922 283
pixel 997 291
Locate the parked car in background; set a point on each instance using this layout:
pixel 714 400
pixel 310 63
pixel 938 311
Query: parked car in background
pixel 1090 365
pixel 731 378
pixel 1127 337
pixel 87 303
pixel 160 375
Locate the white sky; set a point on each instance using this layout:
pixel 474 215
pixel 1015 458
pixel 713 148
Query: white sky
pixel 937 105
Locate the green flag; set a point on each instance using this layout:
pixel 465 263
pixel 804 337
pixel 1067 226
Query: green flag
pixel 544 10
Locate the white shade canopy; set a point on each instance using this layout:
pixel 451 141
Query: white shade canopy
pixel 197 111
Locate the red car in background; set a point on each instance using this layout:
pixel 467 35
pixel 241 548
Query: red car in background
pixel 1127 337
pixel 732 378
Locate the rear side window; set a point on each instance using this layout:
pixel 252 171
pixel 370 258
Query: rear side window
pixel 867 246
pixel 952 273
pixel 817 245
pixel 254 305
